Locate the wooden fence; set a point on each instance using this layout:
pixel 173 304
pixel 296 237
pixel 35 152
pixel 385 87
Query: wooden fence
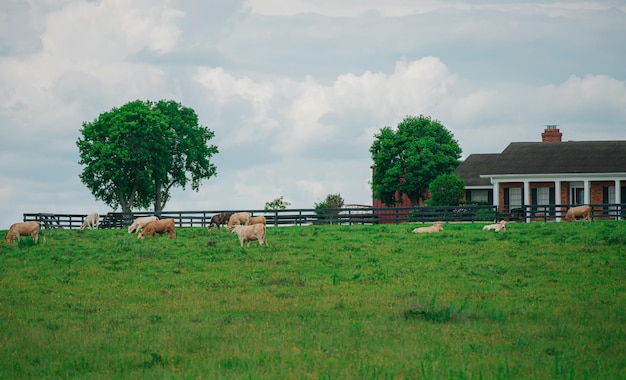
pixel 365 215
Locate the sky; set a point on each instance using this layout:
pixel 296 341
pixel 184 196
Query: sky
pixel 296 90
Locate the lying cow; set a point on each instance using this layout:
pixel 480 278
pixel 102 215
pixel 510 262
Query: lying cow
pixel 247 234
pixel 257 220
pixel 92 221
pixel 159 227
pixel 497 227
pixel 219 219
pixel 240 218
pixel 24 229
pixel 574 213
pixel 140 222
pixel 436 227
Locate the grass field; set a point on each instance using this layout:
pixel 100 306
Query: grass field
pixel 541 300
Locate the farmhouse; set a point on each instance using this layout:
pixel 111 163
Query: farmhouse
pixel 548 173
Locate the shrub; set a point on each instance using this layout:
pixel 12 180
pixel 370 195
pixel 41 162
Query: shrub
pixel 328 209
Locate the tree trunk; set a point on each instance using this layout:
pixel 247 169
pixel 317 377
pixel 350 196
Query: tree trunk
pixel 158 200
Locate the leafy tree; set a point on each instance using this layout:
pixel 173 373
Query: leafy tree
pixel 332 201
pixel 446 190
pixel 135 154
pixel 407 160
pixel 277 204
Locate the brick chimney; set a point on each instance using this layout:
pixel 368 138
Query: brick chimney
pixel 551 134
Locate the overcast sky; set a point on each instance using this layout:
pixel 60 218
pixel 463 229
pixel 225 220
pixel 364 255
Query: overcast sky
pixel 295 90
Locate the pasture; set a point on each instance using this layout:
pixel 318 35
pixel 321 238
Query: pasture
pixel 541 300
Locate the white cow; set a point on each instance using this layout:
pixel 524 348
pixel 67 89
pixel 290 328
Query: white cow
pixel 92 221
pixel 436 227
pixel 140 222
pixel 247 234
pixel 497 227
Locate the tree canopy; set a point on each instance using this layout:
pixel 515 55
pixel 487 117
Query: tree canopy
pixel 446 190
pixel 408 159
pixel 277 204
pixel 135 154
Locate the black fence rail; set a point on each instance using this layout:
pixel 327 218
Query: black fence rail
pixel 546 213
pixel 365 215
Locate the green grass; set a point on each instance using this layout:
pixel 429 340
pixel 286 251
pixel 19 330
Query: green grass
pixel 361 302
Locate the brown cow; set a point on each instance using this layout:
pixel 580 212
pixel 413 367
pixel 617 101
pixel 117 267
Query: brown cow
pixel 247 234
pixel 24 229
pixel 578 212
pixel 160 227
pixel 219 219
pixel 436 227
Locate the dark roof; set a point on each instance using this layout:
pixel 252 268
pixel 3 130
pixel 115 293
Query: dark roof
pixel 475 165
pixel 560 157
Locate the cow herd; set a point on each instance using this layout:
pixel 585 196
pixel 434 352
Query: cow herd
pixel 243 224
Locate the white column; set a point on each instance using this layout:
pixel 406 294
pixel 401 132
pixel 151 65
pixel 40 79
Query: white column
pixel 496 193
pixel 618 198
pixel 527 199
pixel 557 199
pixel 587 192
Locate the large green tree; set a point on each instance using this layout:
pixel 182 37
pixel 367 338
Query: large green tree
pixel 135 154
pixel 408 159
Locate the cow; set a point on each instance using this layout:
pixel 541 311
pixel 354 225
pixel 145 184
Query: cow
pixel 247 234
pixel 436 227
pixel 24 229
pixel 241 218
pixel 92 221
pixel 578 212
pixel 257 220
pixel 497 227
pixel 219 219
pixel 159 227
pixel 140 222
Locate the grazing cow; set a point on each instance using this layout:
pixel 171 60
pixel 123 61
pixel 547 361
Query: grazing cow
pixel 24 229
pixel 257 220
pixel 497 227
pixel 159 227
pixel 219 219
pixel 140 222
pixel 578 212
pixel 436 227
pixel 240 218
pixel 92 221
pixel 247 234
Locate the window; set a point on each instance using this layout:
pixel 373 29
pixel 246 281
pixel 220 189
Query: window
pixel 480 196
pixel 611 198
pixel 515 198
pixel 543 198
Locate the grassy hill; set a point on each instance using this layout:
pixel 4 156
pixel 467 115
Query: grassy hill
pixel 369 302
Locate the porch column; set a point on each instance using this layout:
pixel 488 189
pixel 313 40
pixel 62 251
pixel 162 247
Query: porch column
pixel 496 194
pixel 527 200
pixel 557 199
pixel 618 198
